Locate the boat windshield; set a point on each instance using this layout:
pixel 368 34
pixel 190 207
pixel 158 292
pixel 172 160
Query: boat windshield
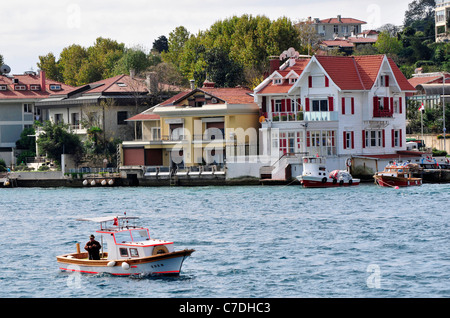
pixel 140 235
pixel 137 235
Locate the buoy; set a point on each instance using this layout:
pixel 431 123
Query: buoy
pixel 396 187
pixel 103 182
pixel 93 183
pixel 125 266
pixel 85 182
pixel 112 264
pixel 111 182
pixel 6 183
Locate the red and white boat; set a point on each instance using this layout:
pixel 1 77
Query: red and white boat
pixel 130 251
pixel 316 175
pixel 397 175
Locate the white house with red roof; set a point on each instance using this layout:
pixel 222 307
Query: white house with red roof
pixel 331 28
pixel 332 106
pixel 18 97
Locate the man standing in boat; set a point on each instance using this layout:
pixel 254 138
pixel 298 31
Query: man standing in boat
pixel 93 247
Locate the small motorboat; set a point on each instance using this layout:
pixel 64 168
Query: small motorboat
pixel 130 251
pixel 397 175
pixel 316 175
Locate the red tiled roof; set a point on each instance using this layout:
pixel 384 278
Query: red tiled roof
pixel 342 20
pixel 401 79
pixel 298 67
pixel 235 95
pixel 340 43
pixel 143 116
pixel 110 85
pixel 30 79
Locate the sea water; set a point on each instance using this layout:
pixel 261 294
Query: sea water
pixel 252 241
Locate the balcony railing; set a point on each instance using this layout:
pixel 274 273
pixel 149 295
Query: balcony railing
pixel 173 137
pixel 383 112
pixel 287 116
pixel 321 116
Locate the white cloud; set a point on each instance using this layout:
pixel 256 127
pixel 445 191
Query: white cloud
pixel 36 28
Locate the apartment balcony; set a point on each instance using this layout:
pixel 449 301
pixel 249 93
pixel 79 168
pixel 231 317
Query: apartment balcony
pixel 383 113
pixel 321 116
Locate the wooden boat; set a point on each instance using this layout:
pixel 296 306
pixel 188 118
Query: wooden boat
pixel 131 251
pixel 397 175
pixel 316 175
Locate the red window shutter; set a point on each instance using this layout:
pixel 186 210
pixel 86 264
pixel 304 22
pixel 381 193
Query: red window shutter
pixel 288 105
pixel 343 105
pixel 353 140
pixel 392 137
pixel 330 104
pixel 308 142
pixel 387 80
pixel 298 104
pixel 309 81
pixel 400 136
pixel 264 106
pixel 283 105
pixel 307 104
pixel 386 103
pixel 364 139
pixel 391 106
pixel 375 106
pixel 384 138
pixel 353 105
pixel 400 105
pixel 327 81
pixel 345 139
pixel 273 106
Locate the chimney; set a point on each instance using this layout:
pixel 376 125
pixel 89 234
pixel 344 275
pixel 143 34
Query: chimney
pixel 339 18
pixel 42 80
pixel 152 82
pixel 274 64
pixel 132 73
pixel 192 82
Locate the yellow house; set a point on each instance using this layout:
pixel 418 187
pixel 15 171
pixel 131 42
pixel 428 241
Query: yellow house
pixel 205 127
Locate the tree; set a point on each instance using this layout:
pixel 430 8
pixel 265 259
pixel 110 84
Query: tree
pixel 176 42
pixel 161 44
pixel 221 69
pixel 48 64
pixel 419 13
pixel 387 44
pixel 56 140
pixel 133 59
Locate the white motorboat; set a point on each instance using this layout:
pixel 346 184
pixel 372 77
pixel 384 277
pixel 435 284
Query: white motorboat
pixel 130 251
pixel 316 175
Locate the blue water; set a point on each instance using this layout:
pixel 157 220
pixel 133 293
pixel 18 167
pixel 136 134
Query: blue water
pixel 259 241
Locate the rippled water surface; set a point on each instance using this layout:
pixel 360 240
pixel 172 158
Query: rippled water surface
pixel 264 241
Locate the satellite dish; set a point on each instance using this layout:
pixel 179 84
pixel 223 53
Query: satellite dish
pixel 5 69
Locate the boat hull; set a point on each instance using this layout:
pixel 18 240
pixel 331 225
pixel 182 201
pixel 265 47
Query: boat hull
pixel 317 182
pixel 167 264
pixel 391 181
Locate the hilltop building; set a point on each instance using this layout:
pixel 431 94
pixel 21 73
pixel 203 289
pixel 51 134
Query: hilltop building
pixel 442 19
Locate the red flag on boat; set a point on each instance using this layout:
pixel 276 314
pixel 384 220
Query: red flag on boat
pixel 116 222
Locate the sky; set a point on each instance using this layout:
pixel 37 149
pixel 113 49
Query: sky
pixel 30 28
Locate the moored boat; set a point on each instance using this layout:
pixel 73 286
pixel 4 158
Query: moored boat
pixel 130 251
pixel 397 175
pixel 316 175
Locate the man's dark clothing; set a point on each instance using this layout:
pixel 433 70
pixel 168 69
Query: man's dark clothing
pixel 93 247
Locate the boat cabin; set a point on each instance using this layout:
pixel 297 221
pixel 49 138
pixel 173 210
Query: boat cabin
pixel 125 241
pixel 315 166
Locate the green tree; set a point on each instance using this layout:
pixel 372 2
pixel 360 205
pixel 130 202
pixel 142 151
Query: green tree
pixel 133 59
pixel 161 44
pixel 56 140
pixel 48 64
pixel 176 42
pixel 221 69
pixel 70 62
pixel 387 44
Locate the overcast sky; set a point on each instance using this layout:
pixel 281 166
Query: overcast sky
pixel 29 28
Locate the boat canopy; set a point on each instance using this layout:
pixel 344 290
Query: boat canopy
pixel 108 218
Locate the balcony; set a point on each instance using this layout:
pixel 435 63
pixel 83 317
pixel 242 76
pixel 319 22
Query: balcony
pixel 380 113
pixel 321 116
pixel 287 116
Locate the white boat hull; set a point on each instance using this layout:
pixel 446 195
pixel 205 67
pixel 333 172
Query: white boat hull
pixel 168 264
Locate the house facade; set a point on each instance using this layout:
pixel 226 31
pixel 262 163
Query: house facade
pixel 19 95
pixel 442 20
pixel 332 106
pixel 331 28
pixel 201 127
pixel 105 104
